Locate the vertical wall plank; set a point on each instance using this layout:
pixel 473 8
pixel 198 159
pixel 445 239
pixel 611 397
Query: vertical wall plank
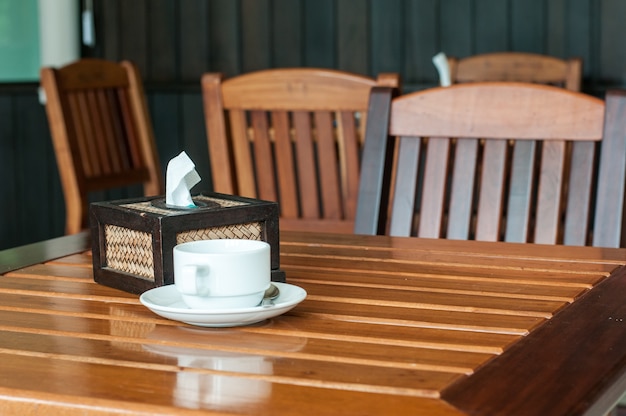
pixel 456 22
pixel 224 34
pixel 579 33
pixel 107 21
pixel 256 29
pixel 36 163
pixel 319 33
pixel 134 32
pixel 165 111
pixel 353 46
pixel 491 26
pixel 163 26
pixel 8 170
pixel 194 138
pixel 556 28
pixel 387 35
pixel 287 37
pixel 528 27
pixel 422 42
pixel 193 45
pixel 612 57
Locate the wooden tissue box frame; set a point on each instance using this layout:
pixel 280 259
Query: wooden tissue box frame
pixel 133 239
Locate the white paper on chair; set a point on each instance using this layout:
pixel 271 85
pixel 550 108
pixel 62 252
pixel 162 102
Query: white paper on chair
pixel 441 63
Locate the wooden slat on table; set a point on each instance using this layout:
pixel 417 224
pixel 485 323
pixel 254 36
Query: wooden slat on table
pixel 579 369
pixel 379 330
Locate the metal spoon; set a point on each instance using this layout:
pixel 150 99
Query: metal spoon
pixel 271 293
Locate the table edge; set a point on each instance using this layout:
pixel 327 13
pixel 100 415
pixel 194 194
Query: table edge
pixel 471 394
pixel 42 251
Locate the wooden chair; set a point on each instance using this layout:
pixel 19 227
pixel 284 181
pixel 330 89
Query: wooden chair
pixel 101 132
pixel 517 66
pixel 467 162
pixel 291 135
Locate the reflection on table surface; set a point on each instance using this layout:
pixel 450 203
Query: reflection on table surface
pixel 400 325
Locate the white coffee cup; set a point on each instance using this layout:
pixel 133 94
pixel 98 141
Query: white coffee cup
pixel 224 273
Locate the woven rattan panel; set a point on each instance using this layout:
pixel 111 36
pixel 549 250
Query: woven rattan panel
pixel 129 251
pixel 248 231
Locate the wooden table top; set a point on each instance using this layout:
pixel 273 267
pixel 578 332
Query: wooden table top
pixel 390 326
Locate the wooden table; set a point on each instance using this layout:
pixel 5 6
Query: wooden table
pixel 390 326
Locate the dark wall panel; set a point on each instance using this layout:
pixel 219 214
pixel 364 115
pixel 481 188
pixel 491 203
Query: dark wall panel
pixel 193 39
pixel 319 33
pixel 256 35
pixel 193 137
pixel 386 35
pixel 612 59
pixel 287 35
pixel 422 42
pixel 174 41
pixel 134 33
pixel 9 203
pixel 491 26
pixel 225 36
pixel 353 18
pixel 455 26
pixel 162 58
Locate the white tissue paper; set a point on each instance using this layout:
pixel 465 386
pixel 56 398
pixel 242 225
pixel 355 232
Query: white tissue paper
pixel 441 63
pixel 181 176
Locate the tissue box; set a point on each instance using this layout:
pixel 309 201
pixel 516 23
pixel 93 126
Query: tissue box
pixel 133 239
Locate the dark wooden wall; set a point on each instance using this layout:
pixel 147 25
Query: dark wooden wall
pixel 175 41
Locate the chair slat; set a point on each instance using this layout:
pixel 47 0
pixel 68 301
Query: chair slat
pixel 348 145
pixel 550 192
pixel 83 129
pixel 461 195
pixel 317 170
pixel 609 221
pixel 328 164
pixel 220 152
pixel 101 133
pixel 377 167
pixel 106 119
pixel 246 183
pixel 520 191
pixel 128 128
pixel 264 161
pixel 285 166
pixel 579 194
pixel 117 131
pixel 548 201
pixel 489 219
pixel 96 126
pixel 434 187
pixel 307 183
pixel 403 206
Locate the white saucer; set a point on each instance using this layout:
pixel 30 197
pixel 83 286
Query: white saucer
pixel 166 301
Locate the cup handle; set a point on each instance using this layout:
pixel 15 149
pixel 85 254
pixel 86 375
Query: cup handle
pixel 199 284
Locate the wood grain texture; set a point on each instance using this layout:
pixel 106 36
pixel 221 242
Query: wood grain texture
pixel 493 161
pixel 416 333
pixel 295 136
pixel 101 132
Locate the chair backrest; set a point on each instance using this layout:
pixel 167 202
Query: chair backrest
pixel 501 161
pixel 101 132
pixel 293 136
pixel 517 66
